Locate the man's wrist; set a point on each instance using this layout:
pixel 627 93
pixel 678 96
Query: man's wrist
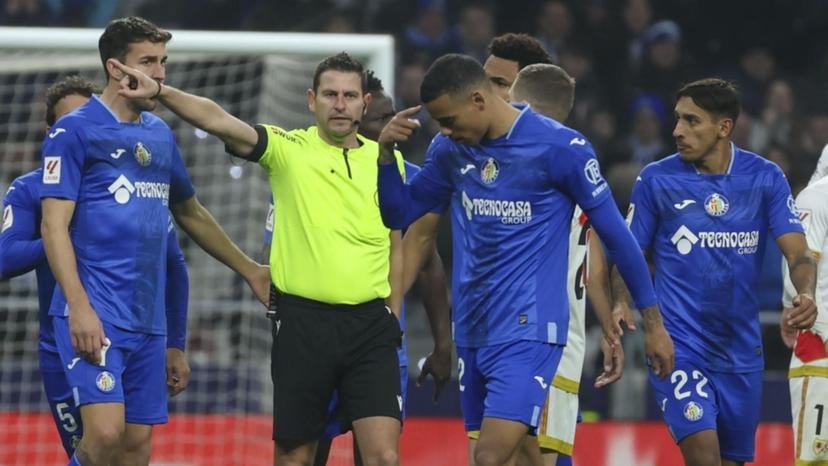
pixel 160 89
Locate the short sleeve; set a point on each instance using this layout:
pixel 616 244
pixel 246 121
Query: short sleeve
pixel 813 213
pixel 642 215
pixel 270 148
pixel 63 157
pixel 181 188
pixel 783 216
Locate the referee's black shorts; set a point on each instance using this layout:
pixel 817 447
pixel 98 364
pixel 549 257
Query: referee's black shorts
pixel 319 348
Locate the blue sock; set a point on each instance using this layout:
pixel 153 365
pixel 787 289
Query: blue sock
pixel 74 460
pixel 564 460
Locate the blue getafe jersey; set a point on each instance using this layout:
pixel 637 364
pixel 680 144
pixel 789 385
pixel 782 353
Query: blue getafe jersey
pixel 21 208
pixel 122 177
pixel 707 236
pixel 513 198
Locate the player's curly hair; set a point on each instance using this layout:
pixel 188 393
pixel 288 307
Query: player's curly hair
pixel 373 84
pixel 339 62
pixel 120 33
pixel 521 48
pixel 69 85
pixel 713 95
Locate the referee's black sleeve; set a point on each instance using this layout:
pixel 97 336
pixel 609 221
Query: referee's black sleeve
pixel 258 150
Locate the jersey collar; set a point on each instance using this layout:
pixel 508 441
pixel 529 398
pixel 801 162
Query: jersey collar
pixel 733 152
pixel 97 99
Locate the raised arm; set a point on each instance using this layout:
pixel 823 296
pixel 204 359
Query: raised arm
pixel 200 112
pixel 85 327
pixel 197 222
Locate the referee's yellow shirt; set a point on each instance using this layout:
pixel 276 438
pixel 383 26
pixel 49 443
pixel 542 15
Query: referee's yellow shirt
pixel 329 243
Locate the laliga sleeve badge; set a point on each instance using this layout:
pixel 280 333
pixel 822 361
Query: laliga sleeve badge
pixel 8 218
pixel 105 382
pixel 820 446
pixel 693 411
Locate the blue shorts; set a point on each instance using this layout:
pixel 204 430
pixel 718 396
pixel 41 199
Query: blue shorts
pixel 59 396
pixel 132 372
pixel 694 399
pixel 506 381
pixel 335 426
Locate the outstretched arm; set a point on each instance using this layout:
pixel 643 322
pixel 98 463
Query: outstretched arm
pixel 200 112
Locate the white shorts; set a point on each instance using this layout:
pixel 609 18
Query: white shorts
pixel 558 421
pixel 809 407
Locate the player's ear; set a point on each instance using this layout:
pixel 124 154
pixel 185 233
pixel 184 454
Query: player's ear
pixel 478 100
pixel 113 70
pixel 726 127
pixel 366 98
pixel 311 100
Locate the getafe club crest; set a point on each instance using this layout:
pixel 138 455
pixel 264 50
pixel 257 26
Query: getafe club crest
pixel 489 171
pixel 142 154
pixel 716 205
pixel 693 411
pixel 105 382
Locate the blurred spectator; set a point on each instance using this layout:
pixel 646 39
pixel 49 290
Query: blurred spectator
pixel 341 21
pixel 779 154
pixel 576 58
pixel 555 26
pixel 25 13
pixel 476 29
pixel 757 68
pixel 663 68
pixel 638 16
pixel 430 36
pixel 776 123
pixel 742 132
pixel 645 144
pixel 602 132
pixel 809 147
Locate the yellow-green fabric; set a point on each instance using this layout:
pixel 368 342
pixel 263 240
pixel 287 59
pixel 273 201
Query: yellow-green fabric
pixel 329 242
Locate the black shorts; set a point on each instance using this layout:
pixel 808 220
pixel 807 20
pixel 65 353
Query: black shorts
pixel 319 348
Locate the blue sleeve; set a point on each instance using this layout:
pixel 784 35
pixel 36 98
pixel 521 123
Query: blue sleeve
pixel 21 248
pixel 267 237
pixel 783 217
pixel 177 294
pixel 576 170
pixel 642 215
pixel 623 250
pixel 63 156
pixel 411 171
pixel 400 203
pixel 181 188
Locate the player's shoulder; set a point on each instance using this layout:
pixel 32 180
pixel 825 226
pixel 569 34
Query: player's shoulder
pixel 669 165
pixel 748 162
pixel 814 195
pixel 155 122
pixel 24 187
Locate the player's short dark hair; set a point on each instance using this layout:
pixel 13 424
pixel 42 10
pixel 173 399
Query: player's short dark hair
pixel 713 95
pixel 70 85
pixel 373 84
pixel 521 48
pixel 120 33
pixel 549 87
pixel 339 62
pixel 451 74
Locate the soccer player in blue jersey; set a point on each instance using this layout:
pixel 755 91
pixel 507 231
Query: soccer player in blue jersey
pixel 513 178
pixel 21 250
pixel 703 214
pixel 111 175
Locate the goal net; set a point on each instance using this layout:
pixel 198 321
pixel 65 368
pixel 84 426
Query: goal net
pixel 224 416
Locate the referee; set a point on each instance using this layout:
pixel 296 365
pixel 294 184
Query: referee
pixel 332 330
